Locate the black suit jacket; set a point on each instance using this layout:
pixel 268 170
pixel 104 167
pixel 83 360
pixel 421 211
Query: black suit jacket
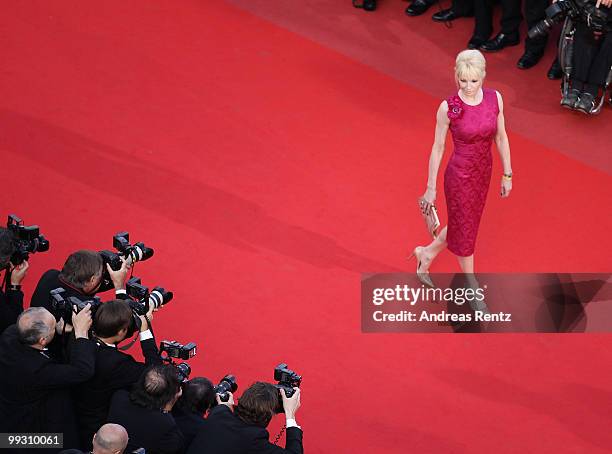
pixel 114 370
pixel 50 281
pixel 11 305
pixel 34 388
pixel 225 433
pixel 189 423
pixel 153 430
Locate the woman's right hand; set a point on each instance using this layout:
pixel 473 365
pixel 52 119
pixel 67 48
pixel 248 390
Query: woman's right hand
pixel 427 200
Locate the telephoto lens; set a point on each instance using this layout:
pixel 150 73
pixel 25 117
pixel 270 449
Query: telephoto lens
pixel 226 385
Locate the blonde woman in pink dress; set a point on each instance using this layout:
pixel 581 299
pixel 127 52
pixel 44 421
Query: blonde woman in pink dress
pixel 475 118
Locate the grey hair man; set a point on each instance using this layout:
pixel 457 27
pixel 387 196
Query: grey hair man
pixel 34 387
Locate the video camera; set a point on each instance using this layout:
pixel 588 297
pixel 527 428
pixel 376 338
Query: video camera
pixel 64 307
pixel 171 350
pixel 287 380
pixel 583 10
pixel 28 240
pixel 226 385
pixel 133 252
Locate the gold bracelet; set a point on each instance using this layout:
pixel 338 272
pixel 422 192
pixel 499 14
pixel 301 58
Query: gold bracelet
pixel 507 176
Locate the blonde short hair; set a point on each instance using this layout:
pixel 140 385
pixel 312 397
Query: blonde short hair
pixel 470 64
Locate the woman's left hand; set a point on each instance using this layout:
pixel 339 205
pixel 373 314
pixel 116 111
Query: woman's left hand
pixel 607 3
pixel 506 187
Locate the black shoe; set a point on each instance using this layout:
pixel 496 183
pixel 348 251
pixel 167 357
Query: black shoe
pixel 529 59
pixel 555 72
pixel 569 101
pixel 446 15
pixel 500 41
pixel 418 7
pixel 476 41
pixel 586 103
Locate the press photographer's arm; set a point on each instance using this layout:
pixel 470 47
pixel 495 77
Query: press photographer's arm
pixel 11 296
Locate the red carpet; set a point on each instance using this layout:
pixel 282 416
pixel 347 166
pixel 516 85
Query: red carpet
pixel 268 171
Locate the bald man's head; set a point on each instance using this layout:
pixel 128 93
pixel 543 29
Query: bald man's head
pixel 110 439
pixel 36 326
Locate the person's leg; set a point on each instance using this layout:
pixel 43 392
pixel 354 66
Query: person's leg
pixel 467 267
pixel 427 254
pixel 585 51
pixel 463 7
pixel 534 47
pixel 483 21
pixel 602 62
pixel 510 21
pixel 511 17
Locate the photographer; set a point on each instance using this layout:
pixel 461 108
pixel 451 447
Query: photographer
pixel 11 302
pixel 145 412
pixel 592 60
pixel 34 388
pixel 244 430
pixel 114 369
pixel 198 397
pixel 81 276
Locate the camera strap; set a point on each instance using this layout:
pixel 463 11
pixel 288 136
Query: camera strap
pixel 280 434
pixel 135 338
pixel 130 344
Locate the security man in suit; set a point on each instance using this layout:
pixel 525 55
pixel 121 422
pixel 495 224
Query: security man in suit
pixel 115 370
pixel 34 388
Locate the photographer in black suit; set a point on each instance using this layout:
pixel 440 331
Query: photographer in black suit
pixel 114 369
pixel 81 276
pixel 11 302
pixel 198 397
pixel 146 411
pixel 35 389
pixel 244 430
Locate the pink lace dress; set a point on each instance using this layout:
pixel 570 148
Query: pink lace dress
pixel 468 174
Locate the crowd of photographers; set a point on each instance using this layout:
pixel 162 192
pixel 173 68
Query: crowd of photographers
pixel 586 66
pixel 63 371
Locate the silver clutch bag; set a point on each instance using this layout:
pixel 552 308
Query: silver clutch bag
pixel 432 221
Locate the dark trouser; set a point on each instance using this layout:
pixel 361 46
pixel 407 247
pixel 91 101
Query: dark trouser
pixel 511 19
pixel 463 7
pixel 592 59
pixel 534 13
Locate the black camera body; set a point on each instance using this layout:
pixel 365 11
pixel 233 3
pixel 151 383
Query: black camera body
pixel 28 240
pixel 287 380
pixel 176 350
pixel 64 307
pixel 582 10
pixel 171 350
pixel 135 253
pixel 226 385
pixel 142 300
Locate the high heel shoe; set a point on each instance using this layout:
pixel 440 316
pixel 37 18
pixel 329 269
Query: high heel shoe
pixel 423 277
